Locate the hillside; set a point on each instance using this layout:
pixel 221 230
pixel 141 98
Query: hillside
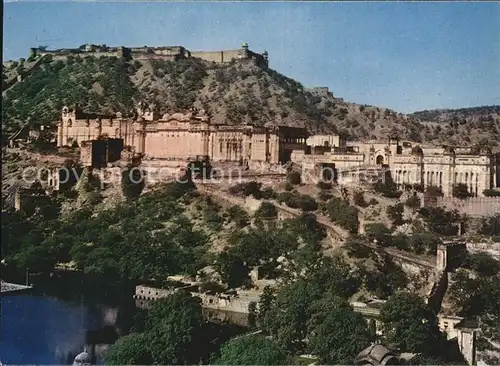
pixel 237 93
pixel 461 125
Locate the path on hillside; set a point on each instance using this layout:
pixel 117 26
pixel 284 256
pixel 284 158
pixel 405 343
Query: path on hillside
pixel 339 233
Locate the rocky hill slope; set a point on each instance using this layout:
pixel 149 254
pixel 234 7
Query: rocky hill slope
pixel 461 126
pixel 237 93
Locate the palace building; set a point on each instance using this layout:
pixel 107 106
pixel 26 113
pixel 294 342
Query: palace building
pixel 409 163
pixel 182 136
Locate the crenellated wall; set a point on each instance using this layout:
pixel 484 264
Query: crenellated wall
pixel 168 53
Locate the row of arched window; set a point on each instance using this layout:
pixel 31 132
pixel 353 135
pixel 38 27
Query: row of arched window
pixel 432 178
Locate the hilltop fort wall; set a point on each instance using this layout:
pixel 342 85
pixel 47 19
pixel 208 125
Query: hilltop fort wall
pixel 168 53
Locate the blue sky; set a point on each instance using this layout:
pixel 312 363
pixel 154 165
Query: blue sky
pixel 402 55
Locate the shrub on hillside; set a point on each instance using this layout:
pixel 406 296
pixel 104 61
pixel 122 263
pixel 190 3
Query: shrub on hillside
pixel 132 183
pixel 324 185
pixel 395 213
pixel 266 210
pixel 268 193
pixel 297 200
pixel 356 248
pixel 324 195
pixel 420 242
pixel 413 202
pixel 440 221
pixel 246 189
pixel 379 232
pixel 461 191
pixel 483 263
pixel 400 241
pixel 304 202
pixel 418 187
pixel 294 178
pixel 387 187
pixel 491 193
pixel 342 213
pixel 359 199
pixel 490 225
pixel 237 215
pixel 283 197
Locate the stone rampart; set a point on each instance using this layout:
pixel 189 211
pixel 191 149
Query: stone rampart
pixel 171 53
pixel 474 206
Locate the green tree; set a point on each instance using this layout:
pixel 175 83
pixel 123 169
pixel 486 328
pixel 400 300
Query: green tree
pixel 434 191
pixel 287 319
pixel 246 189
pixel 339 337
pixel 440 221
pixel 483 263
pixel 266 302
pixel 132 182
pixel 342 213
pixel 387 187
pixel 409 324
pixel 252 350
pixel 359 199
pixel 395 213
pixel 232 269
pixel 475 296
pixel 379 232
pixel 173 325
pixel 413 202
pixel 239 216
pixel 423 241
pixel 490 226
pixel 307 228
pixel 356 247
pixel 294 178
pixel 491 192
pixel 132 349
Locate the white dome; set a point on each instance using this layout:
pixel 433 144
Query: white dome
pixel 83 359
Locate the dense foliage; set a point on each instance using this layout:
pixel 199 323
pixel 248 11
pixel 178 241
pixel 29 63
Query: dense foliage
pixel 252 350
pixel 410 325
pixel 130 242
pixel 173 332
pixel 342 213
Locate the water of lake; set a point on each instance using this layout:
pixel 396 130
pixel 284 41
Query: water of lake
pixel 42 328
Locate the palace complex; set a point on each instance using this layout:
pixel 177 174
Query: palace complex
pixel 185 136
pixel 410 163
